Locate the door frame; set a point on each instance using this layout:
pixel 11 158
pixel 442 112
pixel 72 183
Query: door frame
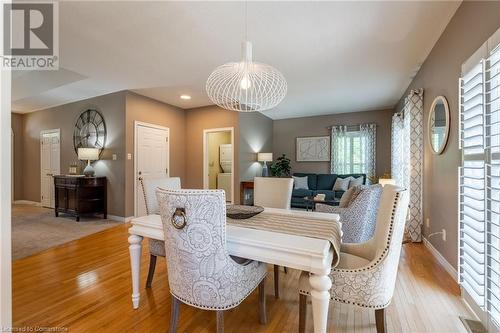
pixel 5 201
pixel 12 158
pixel 137 124
pixel 49 131
pixel 205 156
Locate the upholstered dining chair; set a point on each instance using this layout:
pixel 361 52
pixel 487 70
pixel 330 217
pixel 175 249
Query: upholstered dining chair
pixel 273 193
pixel 149 186
pixel 366 274
pixel 200 271
pixel 359 217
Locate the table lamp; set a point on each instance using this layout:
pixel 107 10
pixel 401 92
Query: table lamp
pixel 88 154
pixel 265 157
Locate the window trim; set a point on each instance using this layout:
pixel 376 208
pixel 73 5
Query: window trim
pixel 481 152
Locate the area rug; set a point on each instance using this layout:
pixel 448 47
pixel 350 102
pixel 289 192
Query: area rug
pixel 35 229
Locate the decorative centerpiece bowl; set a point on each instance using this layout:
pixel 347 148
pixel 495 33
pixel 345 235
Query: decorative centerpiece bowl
pixel 240 212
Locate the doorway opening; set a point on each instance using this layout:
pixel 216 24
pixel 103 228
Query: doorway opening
pixel 218 160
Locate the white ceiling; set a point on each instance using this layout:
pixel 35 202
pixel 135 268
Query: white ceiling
pixel 336 56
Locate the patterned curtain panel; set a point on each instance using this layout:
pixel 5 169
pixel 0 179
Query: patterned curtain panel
pixel 369 136
pixel 397 158
pixel 407 157
pixel 339 149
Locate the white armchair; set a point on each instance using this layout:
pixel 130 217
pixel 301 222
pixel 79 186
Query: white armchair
pixel 149 187
pixel 366 274
pixel 358 219
pixel 273 193
pixel 200 271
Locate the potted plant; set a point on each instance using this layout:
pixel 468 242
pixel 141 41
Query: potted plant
pixel 281 168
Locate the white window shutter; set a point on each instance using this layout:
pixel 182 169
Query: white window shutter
pixel 472 184
pixel 479 265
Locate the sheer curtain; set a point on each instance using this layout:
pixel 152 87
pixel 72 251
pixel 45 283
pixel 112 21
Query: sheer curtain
pixel 407 157
pixel 354 149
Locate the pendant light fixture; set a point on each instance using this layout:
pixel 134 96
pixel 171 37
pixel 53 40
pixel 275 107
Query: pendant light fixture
pixel 246 85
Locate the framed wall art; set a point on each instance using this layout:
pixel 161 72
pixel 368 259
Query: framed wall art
pixel 312 149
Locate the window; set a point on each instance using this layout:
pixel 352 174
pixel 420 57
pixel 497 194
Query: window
pixel 493 185
pixel 351 149
pixel 354 149
pixel 479 265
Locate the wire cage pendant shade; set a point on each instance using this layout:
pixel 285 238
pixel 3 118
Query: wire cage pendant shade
pixel 247 85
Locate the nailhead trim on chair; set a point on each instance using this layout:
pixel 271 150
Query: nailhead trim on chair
pixel 230 306
pixel 386 249
pixel 234 304
pixel 141 181
pixel 379 259
pixel 144 195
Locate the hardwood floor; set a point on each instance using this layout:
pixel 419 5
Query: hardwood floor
pixel 85 286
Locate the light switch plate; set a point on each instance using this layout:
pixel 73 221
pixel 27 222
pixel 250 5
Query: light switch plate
pixel 129 156
pixel 114 157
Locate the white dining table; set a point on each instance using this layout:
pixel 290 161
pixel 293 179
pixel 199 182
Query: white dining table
pixel 303 253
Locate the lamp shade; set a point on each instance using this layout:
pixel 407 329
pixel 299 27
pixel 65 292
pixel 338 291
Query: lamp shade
pixel 386 181
pixel 88 154
pixel 246 85
pixel 265 157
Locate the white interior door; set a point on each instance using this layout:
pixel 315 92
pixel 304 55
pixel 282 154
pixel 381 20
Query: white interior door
pixel 151 158
pixel 50 165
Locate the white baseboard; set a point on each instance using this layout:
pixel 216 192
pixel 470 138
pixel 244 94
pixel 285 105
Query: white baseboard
pixel 476 312
pixel 27 202
pixel 120 218
pixel 442 261
pixel 474 309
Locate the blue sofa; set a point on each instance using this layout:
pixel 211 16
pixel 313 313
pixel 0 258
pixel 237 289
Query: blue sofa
pixel 319 183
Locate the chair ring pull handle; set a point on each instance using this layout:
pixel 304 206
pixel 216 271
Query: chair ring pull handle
pixel 179 219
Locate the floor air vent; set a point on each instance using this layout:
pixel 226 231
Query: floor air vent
pixel 473 326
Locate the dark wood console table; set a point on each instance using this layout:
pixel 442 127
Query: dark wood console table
pixel 245 185
pixel 76 195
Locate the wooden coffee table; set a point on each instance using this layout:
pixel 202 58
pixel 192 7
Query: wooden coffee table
pixel 311 202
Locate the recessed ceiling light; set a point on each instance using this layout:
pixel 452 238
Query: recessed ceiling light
pixel 185 97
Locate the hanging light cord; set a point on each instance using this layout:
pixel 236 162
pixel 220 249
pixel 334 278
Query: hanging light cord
pixel 244 85
pixel 246 20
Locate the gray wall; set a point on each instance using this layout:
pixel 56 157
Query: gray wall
pixel 287 130
pixel 256 136
pixel 64 117
pixel 473 23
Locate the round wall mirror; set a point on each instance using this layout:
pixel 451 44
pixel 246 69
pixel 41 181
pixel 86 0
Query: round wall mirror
pixel 439 124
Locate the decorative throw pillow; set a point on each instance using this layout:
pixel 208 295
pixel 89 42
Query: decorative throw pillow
pixel 356 181
pixel 300 183
pixel 346 198
pixel 342 184
pixel 355 193
pixel 350 195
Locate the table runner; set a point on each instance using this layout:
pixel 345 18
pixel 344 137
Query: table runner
pixel 298 225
